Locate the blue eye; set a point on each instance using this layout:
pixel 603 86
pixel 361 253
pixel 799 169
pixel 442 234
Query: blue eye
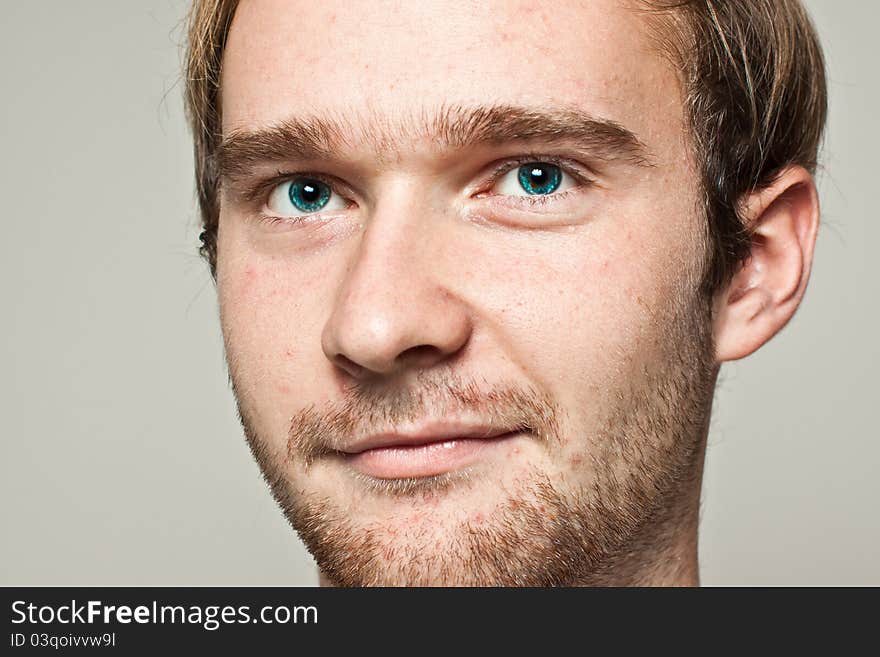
pixel 301 196
pixel 308 195
pixel 539 178
pixel 534 179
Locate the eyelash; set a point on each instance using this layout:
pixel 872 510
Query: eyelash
pixel 531 201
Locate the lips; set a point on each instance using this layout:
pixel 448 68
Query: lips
pixel 429 450
pixel 425 435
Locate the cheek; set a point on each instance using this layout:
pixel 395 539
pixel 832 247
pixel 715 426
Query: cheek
pixel 581 314
pixel 268 324
pixel 249 311
pixel 580 331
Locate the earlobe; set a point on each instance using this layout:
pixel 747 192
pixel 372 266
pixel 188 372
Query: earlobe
pixel 765 292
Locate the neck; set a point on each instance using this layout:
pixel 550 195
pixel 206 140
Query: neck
pixel 664 552
pixel 668 559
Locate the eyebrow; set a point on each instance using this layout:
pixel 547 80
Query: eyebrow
pixel 449 128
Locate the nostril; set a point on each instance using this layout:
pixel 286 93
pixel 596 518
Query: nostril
pixel 348 365
pixel 421 354
pixel 418 356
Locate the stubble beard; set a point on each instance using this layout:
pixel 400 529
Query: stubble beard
pixel 646 465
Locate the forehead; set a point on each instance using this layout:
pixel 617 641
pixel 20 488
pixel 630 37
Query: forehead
pixel 387 60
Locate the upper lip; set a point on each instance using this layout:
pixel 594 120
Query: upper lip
pixel 426 433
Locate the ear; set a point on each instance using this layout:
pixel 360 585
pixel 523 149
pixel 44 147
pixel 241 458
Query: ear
pixel 765 292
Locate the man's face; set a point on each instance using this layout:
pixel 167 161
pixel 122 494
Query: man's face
pixel 459 290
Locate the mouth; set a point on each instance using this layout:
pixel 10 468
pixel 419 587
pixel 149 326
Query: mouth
pixel 425 453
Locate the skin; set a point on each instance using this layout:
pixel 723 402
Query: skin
pixel 421 281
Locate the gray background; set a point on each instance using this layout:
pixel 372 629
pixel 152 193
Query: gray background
pixel 122 458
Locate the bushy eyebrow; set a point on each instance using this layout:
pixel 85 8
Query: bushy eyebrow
pixel 449 128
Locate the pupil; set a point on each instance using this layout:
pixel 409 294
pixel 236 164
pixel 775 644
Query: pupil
pixel 310 193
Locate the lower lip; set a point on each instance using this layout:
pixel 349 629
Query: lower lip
pixel 409 461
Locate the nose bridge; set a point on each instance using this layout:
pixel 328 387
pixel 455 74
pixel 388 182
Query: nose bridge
pixel 394 307
pixel 386 261
pixel 383 272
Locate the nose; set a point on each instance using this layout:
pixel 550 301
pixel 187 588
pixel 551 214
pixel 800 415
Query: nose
pixel 394 309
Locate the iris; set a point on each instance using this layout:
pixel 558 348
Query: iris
pixel 308 194
pixel 539 178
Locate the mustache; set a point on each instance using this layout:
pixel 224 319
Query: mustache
pixel 315 431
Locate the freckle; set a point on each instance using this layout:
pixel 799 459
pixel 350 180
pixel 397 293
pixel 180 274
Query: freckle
pixel 576 460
